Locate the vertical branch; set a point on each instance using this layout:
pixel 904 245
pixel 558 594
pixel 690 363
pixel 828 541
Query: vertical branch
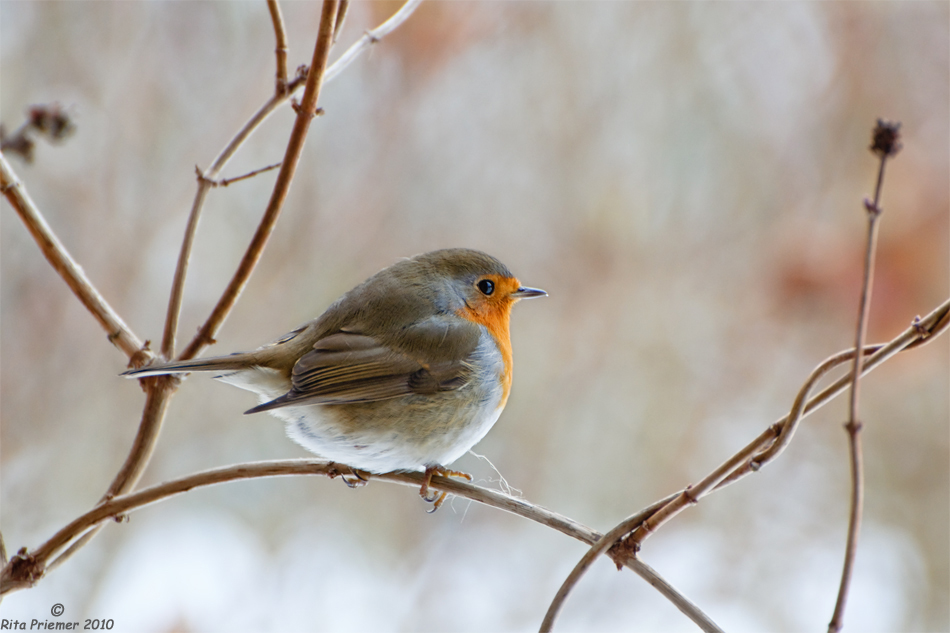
pixel 885 143
pixel 276 100
pixel 280 50
pixel 305 113
pixel 181 270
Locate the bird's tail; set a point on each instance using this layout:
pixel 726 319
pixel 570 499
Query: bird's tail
pixel 217 363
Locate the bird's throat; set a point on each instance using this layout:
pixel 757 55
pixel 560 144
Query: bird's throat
pixel 496 318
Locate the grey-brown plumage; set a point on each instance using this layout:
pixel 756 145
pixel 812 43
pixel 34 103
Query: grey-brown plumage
pixel 404 341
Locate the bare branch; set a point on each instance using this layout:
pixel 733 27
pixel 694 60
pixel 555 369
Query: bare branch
pixel 30 567
pixel 62 262
pixel 603 545
pixel 281 47
pixel 371 37
pixel 221 161
pixel 25 569
pixel 288 167
pixel 340 19
pixel 745 461
pixel 224 182
pixel 885 144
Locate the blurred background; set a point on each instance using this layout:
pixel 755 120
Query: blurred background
pixel 684 179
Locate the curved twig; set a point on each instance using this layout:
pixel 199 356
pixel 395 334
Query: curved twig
pixel 919 333
pixel 747 460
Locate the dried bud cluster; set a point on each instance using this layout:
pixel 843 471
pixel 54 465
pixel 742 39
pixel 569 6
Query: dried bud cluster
pixel 51 121
pixel 886 138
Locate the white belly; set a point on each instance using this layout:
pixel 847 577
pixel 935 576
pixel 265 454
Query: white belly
pixel 405 433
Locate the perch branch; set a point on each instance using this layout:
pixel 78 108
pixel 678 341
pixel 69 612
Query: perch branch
pixel 27 568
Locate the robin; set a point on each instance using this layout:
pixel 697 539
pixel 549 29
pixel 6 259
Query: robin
pixel 406 371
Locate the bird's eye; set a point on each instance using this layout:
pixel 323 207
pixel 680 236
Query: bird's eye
pixel 486 286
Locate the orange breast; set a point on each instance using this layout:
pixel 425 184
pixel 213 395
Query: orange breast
pixel 494 313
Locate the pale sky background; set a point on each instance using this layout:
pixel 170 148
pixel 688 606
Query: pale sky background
pixel 684 179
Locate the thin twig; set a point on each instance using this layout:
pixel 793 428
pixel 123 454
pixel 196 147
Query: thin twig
pixel 885 144
pixel 340 19
pixel 280 48
pixel 798 407
pixel 371 37
pixel 224 182
pixel 118 332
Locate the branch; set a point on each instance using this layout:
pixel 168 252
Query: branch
pixel 27 568
pixel 885 144
pixel 281 47
pixel 224 182
pixel 305 114
pixel 371 37
pixel 921 332
pixel 222 309
pixel 62 262
pixel 603 545
pixel 340 19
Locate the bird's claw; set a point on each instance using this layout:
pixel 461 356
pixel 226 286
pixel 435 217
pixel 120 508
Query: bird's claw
pixel 438 498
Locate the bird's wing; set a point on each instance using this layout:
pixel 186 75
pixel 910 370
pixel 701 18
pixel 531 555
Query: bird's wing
pixel 348 367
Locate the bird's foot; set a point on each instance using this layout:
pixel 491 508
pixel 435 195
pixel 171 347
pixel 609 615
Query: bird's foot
pixel 355 479
pixel 439 497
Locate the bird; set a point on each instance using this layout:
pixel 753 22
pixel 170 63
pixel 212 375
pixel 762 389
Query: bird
pixel 407 371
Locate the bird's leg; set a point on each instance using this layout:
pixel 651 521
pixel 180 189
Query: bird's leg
pixel 439 497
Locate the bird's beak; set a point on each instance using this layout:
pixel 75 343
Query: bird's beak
pixel 528 293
